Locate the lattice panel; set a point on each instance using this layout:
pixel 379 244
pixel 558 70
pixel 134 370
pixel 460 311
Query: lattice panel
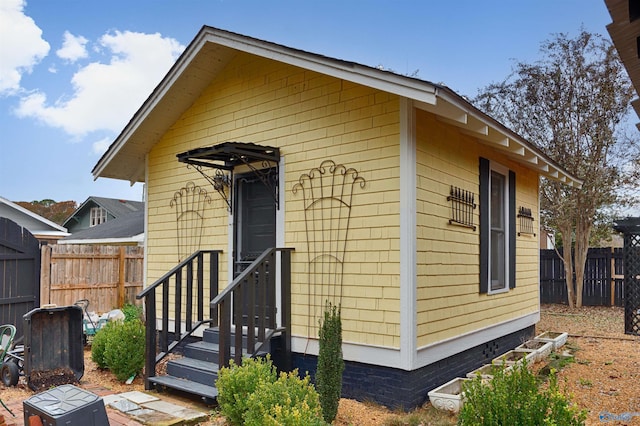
pixel 632 283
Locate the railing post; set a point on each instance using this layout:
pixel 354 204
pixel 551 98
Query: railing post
pixel 285 303
pixel 177 306
pixel 189 299
pixel 150 338
pixel 200 280
pixel 213 285
pixel 224 334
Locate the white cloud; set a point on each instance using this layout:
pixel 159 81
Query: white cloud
pixel 100 147
pixel 22 45
pixel 106 95
pixel 73 47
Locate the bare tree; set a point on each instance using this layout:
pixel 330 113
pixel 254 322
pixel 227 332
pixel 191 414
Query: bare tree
pixel 573 104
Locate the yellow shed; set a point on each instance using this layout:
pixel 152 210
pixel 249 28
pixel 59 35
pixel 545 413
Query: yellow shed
pixel 277 180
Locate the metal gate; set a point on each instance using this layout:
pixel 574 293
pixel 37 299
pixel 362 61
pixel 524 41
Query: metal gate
pixel 630 227
pixel 19 273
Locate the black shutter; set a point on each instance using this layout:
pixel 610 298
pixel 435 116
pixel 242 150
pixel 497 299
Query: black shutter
pixel 485 224
pixel 512 229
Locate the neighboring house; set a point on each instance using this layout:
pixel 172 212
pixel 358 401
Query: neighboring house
pixel 44 230
pixel 403 203
pixel 123 230
pixel 97 210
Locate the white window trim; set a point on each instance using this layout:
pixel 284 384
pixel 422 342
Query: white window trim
pixel 499 168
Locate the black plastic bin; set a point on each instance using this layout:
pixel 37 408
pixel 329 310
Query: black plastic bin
pixel 66 405
pixel 53 342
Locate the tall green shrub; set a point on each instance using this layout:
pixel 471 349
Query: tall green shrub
pixel 330 362
pixel 237 382
pixel 124 351
pixel 513 398
pixel 99 344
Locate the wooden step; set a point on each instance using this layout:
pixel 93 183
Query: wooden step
pixel 184 385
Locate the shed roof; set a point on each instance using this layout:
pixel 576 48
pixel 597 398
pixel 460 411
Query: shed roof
pixel 212 49
pixel 127 228
pixel 115 206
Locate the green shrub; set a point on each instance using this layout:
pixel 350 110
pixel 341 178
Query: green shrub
pixel 514 398
pixel 124 351
pixel 99 344
pixel 330 363
pixel 132 312
pixel 237 382
pixel 289 401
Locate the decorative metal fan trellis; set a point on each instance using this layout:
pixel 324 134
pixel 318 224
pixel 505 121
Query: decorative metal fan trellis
pixel 327 193
pixel 189 202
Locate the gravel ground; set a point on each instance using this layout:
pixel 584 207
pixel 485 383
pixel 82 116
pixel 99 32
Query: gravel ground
pixel 605 379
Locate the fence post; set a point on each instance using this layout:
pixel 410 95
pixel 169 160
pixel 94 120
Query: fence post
pixel 612 274
pixel 121 277
pixel 45 275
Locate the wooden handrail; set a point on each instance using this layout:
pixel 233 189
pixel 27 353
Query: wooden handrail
pixel 183 292
pixel 231 302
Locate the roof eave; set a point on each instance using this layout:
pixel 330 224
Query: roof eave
pixel 455 110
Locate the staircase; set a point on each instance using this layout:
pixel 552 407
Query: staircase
pixel 197 371
pixel 195 303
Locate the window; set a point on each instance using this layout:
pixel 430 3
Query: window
pixel 98 215
pixel 497 227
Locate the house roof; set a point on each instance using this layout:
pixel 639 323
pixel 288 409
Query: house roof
pixel 39 226
pixel 625 33
pixel 212 49
pixel 114 206
pixel 127 228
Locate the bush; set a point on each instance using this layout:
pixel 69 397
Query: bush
pixel 289 401
pixel 236 383
pixel 514 398
pixel 132 312
pixel 124 351
pixel 99 344
pixel 330 363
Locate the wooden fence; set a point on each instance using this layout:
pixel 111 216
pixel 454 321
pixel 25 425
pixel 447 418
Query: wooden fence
pixel 107 276
pixel 603 278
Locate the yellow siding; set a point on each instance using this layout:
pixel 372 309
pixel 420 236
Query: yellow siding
pixel 448 299
pixel 311 118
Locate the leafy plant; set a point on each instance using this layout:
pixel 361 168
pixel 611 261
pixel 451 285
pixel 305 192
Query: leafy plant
pixel 289 401
pixel 132 312
pixel 330 362
pixel 514 398
pixel 124 351
pixel 99 344
pixel 237 382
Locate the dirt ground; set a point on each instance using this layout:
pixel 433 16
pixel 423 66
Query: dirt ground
pixel 604 379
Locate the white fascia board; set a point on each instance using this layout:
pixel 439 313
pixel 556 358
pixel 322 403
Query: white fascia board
pixel 138 239
pixel 382 80
pixel 149 105
pixel 486 129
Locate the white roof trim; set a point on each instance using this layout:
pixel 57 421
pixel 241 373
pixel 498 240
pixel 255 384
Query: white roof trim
pixel 438 100
pixel 34 216
pixel 134 239
pixel 455 110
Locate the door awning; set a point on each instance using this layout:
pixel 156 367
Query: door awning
pixel 217 163
pixel 227 155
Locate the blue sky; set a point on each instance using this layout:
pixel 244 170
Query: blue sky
pixel 73 72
